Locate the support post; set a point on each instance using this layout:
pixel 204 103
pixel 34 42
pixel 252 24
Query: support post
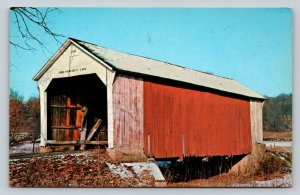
pixel 149 146
pixel 110 118
pixel 43 115
pixel 83 126
pixel 93 130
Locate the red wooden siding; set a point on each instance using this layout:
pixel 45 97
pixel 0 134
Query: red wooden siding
pixel 128 111
pixel 181 121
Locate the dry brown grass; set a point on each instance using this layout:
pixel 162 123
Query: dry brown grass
pixel 265 164
pixel 70 170
pixel 277 136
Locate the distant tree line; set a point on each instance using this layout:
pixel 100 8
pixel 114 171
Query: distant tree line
pixel 24 118
pixel 277 113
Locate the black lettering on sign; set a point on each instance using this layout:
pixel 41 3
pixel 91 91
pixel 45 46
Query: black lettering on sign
pixel 71 70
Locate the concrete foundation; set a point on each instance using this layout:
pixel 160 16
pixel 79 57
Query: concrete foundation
pixel 249 164
pixel 126 154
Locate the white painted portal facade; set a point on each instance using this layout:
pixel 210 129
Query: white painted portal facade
pixel 72 60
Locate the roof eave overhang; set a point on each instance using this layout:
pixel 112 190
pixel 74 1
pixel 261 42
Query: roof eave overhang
pixel 257 97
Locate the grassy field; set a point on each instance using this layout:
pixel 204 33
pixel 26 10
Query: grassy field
pixel 277 136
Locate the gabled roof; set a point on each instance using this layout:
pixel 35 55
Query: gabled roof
pixel 145 66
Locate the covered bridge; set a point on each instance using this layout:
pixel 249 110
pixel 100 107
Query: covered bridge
pixel 139 105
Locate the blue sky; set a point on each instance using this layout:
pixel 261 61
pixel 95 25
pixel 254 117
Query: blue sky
pixel 252 46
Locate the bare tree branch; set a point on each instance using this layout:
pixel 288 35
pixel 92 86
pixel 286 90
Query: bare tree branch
pixel 19 46
pixel 25 18
pixel 12 65
pixel 29 34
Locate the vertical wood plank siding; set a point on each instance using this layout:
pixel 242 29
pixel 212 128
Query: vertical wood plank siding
pixel 65 118
pixel 181 121
pixel 128 111
pixel 256 121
